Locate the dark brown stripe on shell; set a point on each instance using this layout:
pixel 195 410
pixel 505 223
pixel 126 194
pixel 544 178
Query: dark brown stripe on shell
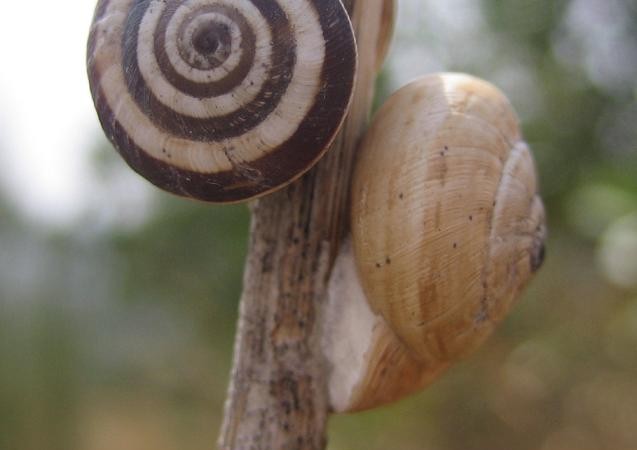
pixel 100 9
pixel 224 40
pixel 212 89
pixel 221 127
pixel 282 165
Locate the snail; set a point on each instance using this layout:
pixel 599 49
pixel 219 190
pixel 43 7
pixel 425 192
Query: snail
pixel 221 100
pixel 447 229
pixel 228 100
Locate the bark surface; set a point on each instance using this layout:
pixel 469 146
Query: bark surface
pixel 277 399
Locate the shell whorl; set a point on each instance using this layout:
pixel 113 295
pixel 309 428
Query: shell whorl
pixel 221 100
pixel 447 223
pixel 447 229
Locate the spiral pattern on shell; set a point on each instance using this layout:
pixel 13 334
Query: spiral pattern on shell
pixel 221 100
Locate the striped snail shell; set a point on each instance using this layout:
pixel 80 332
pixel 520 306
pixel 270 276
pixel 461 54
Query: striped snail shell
pixel 447 230
pixel 221 100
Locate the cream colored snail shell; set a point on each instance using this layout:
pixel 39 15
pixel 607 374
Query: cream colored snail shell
pixel 221 100
pixel 447 228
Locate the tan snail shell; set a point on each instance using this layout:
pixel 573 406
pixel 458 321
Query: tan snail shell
pixel 447 228
pixel 221 100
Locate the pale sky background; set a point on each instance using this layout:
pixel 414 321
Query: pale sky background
pixel 48 125
pixel 47 122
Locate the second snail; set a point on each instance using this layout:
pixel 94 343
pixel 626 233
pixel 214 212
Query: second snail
pixel 447 229
pixel 225 101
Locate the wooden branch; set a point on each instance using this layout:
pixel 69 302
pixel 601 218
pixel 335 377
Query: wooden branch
pixel 278 391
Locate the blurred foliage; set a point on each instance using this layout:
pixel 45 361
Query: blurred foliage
pixel 117 333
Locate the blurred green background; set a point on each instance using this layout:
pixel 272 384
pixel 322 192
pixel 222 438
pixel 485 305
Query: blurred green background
pixel 116 326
